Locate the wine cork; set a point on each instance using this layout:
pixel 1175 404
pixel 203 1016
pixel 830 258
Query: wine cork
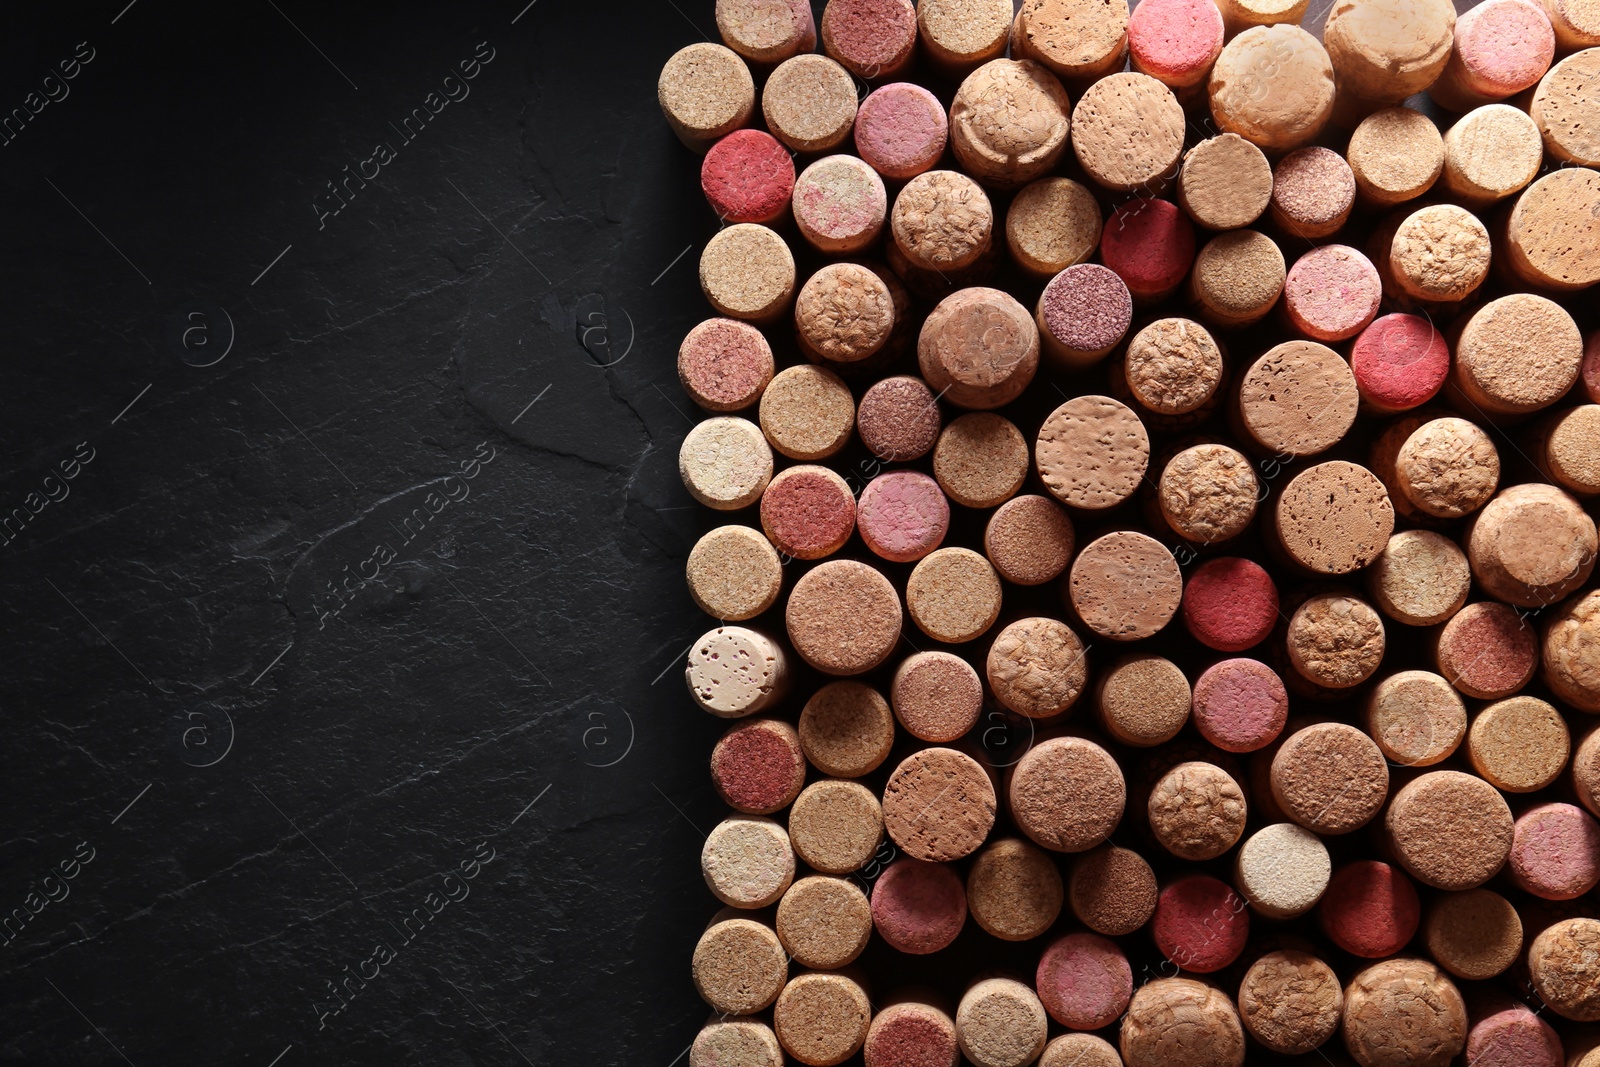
pixel 1067 794
pixel 1330 778
pixel 1180 1020
pixel 910 1032
pixel 1125 586
pixel 1450 830
pixel 734 672
pixel 807 413
pixel 1334 518
pixel 1335 641
pixel 843 617
pixel 1009 123
pixel 821 1018
pixel 1029 540
pixel 1566 111
pixel 747 862
pixel 839 205
pixel 1083 313
pixel 844 314
pixel 1240 15
pixel 1400 361
pixel 1226 182
pixel 1240 705
pixel 942 221
pixel 835 826
pixel 1076 39
pixel 1036 667
pixel 1395 154
pixel 953 595
pixel 725 463
pixel 1273 86
pixel 1200 924
pixel 734 573
pixel 1149 244
pixel 1490 153
pixel 1282 870
pixel 1127 132
pixel 824 922
pixel 1560 964
pixel 1237 278
pixel 1370 910
pixel 1290 1002
pixel 1416 718
pixel 918 907
pixel 1080 1050
pixel 1566 450
pixel 1084 981
pixel 1474 935
pixel 936 696
pixel 1014 890
pixel 1112 890
pixel 1197 811
pixel 902 515
pixel 766 32
pixel 1092 453
pixel 1553 236
pixel 1586 771
pixel 1404 1013
pixel 1332 293
pixel 746 272
pixel 1000 1023
pixel 958 35
pixel 1516 355
pixel 979 348
pixel 1555 852
pixel 1448 468
pixel 898 419
pixel 1501 48
pixel 809 103
pixel 1519 745
pixel 1386 50
pixel 706 93
pixel 1143 700
pixel 1175 41
pixel 748 177
pixel 872 39
pixel 1487 651
pixel 1174 366
pixel 757 767
pixel 1531 545
pixel 1572 652
pixel 1507 1032
pixel 1230 604
pixel 807 511
pixel 938 805
pixel 735 1042
pixel 724 365
pixel 1208 493
pixel 1576 25
pixel 846 729
pixel 1313 190
pixel 901 130
pixel 1440 254
pixel 739 966
pixel 981 460
pixel 1052 223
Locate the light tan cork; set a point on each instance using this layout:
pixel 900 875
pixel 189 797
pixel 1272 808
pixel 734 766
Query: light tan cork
pixel 1448 468
pixel 821 1018
pixel 1440 254
pixel 1273 86
pixel 725 463
pixel 1143 700
pixel 1282 870
pixel 958 35
pixel 1577 24
pixel 735 671
pixel 739 966
pixel 1572 652
pixel 1051 224
pixel 1208 493
pixel 1416 718
pixel 1092 452
pixel 981 460
pixel 1081 1050
pixel 1567 111
pixel 1490 153
pixel 1335 641
pixel 1531 545
pixel 1516 355
pixel 1560 962
pixel 936 696
pixel 809 103
pixel 1566 449
pixel 835 826
pixel 1226 183
pixel 942 220
pixel 1290 1001
pixel 1474 935
pixel 839 205
pixel 1125 586
pixel 979 348
pixel 824 922
pixel 735 1042
pixel 1553 232
pixel 845 314
pixel 747 862
pixel 1313 190
pixel 705 92
pixel 1237 278
pixel 1036 668
pixel 1386 50
pixel 1519 745
pixel 766 31
pixel 1009 122
pixel 747 272
pixel 1014 890
pixel 807 413
pixel 734 573
pixel 843 617
pixel 1396 154
pixel 1298 399
pixel 1404 1013
pixel 953 595
pixel 1127 132
pixel 1240 15
pixel 1175 1021
pixel 1420 579
pixel 1078 40
pixel 938 805
pixel 846 729
pixel 1173 367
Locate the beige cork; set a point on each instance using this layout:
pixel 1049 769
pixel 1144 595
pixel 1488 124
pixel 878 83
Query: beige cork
pixel 1519 745
pixel 1531 545
pixel 1067 794
pixel 1273 86
pixel 846 729
pixel 1197 811
pixel 1127 132
pixel 1440 254
pixel 705 92
pixel 1237 278
pixel 821 1018
pixel 1240 15
pixel 1449 830
pixel 1282 870
pixel 843 315
pixel 1226 183
pixel 739 966
pixel 1416 718
pixel 1208 493
pixel 747 862
pixel 1334 518
pixel 1553 232
pixel 1567 449
pixel 942 221
pixel 747 272
pixel 953 595
pixel 1313 190
pixel 1395 154
pixel 958 35
pixel 1448 468
pixel 1404 1013
pixel 1474 935
pixel 1386 50
pixel 1516 355
pixel 1290 1001
pixel 1335 642
pixel 1330 778
pixel 1080 1050
pixel 1036 668
pixel 1051 224
pixel 734 671
pixel 1298 399
pixel 734 573
pixel 835 826
pixel 1173 367
pixel 735 1042
pixel 1586 771
pixel 1009 123
pixel 979 348
pixel 1029 540
pixel 725 463
pixel 1567 111
pixel 766 31
pixel 807 413
pixel 938 805
pixel 1143 700
pixel 1092 452
pixel 839 205
pixel 843 617
pixel 1078 40
pixel 936 696
pixel 981 460
pixel 1125 586
pixel 1576 22
pixel 1000 1023
pixel 1561 962
pixel 1490 153
pixel 1112 890
pixel 1014 890
pixel 809 103
pixel 1175 1021
pixel 1420 579
pixel 1572 652
pixel 824 922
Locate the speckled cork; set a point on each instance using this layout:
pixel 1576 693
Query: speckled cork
pixel 1516 355
pixel 1036 668
pixel 1567 113
pixel 1084 981
pixel 936 696
pixel 1404 1013
pixel 1225 183
pixel 843 617
pixel 942 220
pixel 1577 25
pixel 1208 493
pixel 1474 935
pixel 1014 890
pixel 757 767
pixel 1142 700
pixel 938 805
pixel 873 39
pixel 1230 604
pixel 1332 293
pixel 1560 962
pixel 1273 86
pixel 844 314
pixel 1313 190
pixel 1330 778
pixel 1000 1023
pixel 1083 313
pixel 1173 367
pixel 901 130
pixel 821 1018
pixel 705 92
pixel 1519 745
pixel 1395 154
pixel 1009 123
pixel 1175 41
pixel 1386 50
pixel 1029 540
pixel 1487 650
pixel 1555 852
pixel 1125 586
pixel 739 966
pixel 1567 449
pixel 809 103
pixel 1112 890
pixel 747 862
pixel 1572 652
pixel 1490 153
pixel 747 272
pixel 912 1033
pixel 902 515
pixel 1197 811
pixel 766 32
pixel 1081 1050
pixel 1448 468
pixel 979 348
pixel 898 419
pixel 958 35
pixel 1127 132
pixel 1240 705
pixel 1180 1020
pixel 1282 870
pixel 981 460
pixel 1501 48
pixel 824 922
pixel 1051 224
pixel 840 205
pixel 953 595
pixel 1531 545
pixel 1067 794
pixel 748 177
pixel 1334 518
pixel 846 729
pixel 1335 641
pixel 1240 15
pixel 1092 452
pixel 917 907
pixel 1416 718
pixel 1370 910
pixel 1077 39
pixel 1400 362
pixel 725 463
pixel 807 413
pixel 1553 233
pixel 836 826
pixel 734 573
pixel 1440 254
pixel 1290 1001
pixel 1506 1032
pixel 724 364
pixel 734 671
pixel 1237 278
pixel 807 512
pixel 1449 830
pixel 735 1042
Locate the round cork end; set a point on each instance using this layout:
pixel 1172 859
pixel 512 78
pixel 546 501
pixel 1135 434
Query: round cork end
pixel 1334 518
pixel 1036 668
pixel 724 364
pixel 902 515
pixel 846 729
pixel 747 862
pixel 898 419
pixel 1237 278
pixel 1474 935
pixel 960 34
pixel 1175 41
pixel 1396 155
pixel 836 826
pixel 1421 578
pixel 1416 718
pixel 1531 545
pixel 747 272
pixel 1330 778
pixel 1487 651
pixel 766 32
pixel 1370 909
pixel 1507 1032
pixel 1226 183
pixel 1560 964
pixel 1313 190
pixel 938 805
pixel 953 596
pixel 1083 313
pixel 942 221
pixel 909 1033
pixel 757 767
pixel 1197 811
pixel 1014 890
pixel 1143 700
pixel 1127 132
pixel 807 413
pixel 1112 890
pixel 1230 604
pixel 1208 493
pixel 843 617
pixel 1092 452
pixel 1290 1002
pixel 1586 771
pixel 1184 1018
pixel 1332 293
pixel 1125 586
pixel 1555 852
pixel 1174 366
pixel 936 696
pixel 725 463
pixel 735 672
pixel 807 512
pixel 1567 113
pixel 1009 122
pixel 1000 1023
pixel 1075 39
pixel 1240 705
pixel 734 573
pixel 1084 981
pixel 979 348
pixel 809 103
pixel 736 1043
pixel 824 922
pixel 1501 48
pixel 1519 745
pixel 981 460
pixel 1448 468
pixel 918 907
pixel 873 39
pixel 844 314
pixel 840 205
pixel 739 967
pixel 1440 254
pixel 1577 24
pixel 1570 449
pixel 1335 641
pixel 705 92
pixel 1517 354
pixel 1149 244
pixel 1051 224
pixel 748 177
pixel 1273 86
pixel 821 1019
pixel 1404 1013
pixel 1282 870
pixel 1029 539
pixel 1400 362
pixel 1450 830
pixel 1572 652
pixel 1387 50
pixel 1490 153
pixel 1080 1050
pixel 901 130
pixel 1240 15
pixel 1067 794
pixel 1200 924
pixel 1553 235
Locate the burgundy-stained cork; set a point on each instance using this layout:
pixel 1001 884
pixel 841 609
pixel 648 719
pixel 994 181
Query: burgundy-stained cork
pixel 747 272
pixel 918 907
pixel 1370 909
pixel 1092 452
pixel 846 729
pixel 735 1042
pixel 1237 278
pixel 1439 254
pixel 1416 718
pixel 1519 745
pixel 1230 604
pixel 1226 182
pixel 1083 314
pixel 747 862
pixel 1125 586
pixel 902 515
pixel 1051 224
pixel 1173 367
pixel 1332 293
pixel 953 595
pixel 807 512
pixel 1400 361
pixel 724 364
pixel 1282 870
pixel 981 460
pixel 1000 1023
pixel 1175 41
pixel 839 205
pixel 705 92
pixel 809 103
pixel 1142 700
pixel 1560 962
pixel 734 573
pixel 942 221
pixel 1572 652
pixel 1396 154
pixel 958 35
pixel 836 826
pixel 1450 830
pixel 1029 539
pixel 1208 493
pixel 911 1034
pixel 1553 236
pixel 1290 1002
pixel 1014 890
pixel 1036 668
pixel 1555 852
pixel 1240 705
pixel 844 314
pixel 1112 890
pixel 1180 1020
pixel 725 463
pixel 979 348
pixel 1200 924
pixel 1084 981
pixel 734 671
pixel 1506 1033
pixel 1334 518
pixel 1567 449
pixel 766 32
pixel 1149 244
pixel 873 39
pixel 821 1018
pixel 757 767
pixel 938 805
pixel 1386 50
pixel 901 130
pixel 1330 778
pixel 1420 579
pixel 1313 190
pixel 824 921
pixel 748 177
pixel 936 696
pixel 1474 935
pixel 1487 650
pixel 1567 114
pixel 1009 122
pixel 1501 48
pixel 739 966
pixel 1197 811
pixel 1531 545
pixel 1273 86
pixel 1490 153
pixel 843 617
pixel 1077 39
pixel 1066 794
pixel 1404 1013
pixel 898 419
pixel 1127 132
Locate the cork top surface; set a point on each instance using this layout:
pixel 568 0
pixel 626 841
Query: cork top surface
pixel 1448 467
pixel 724 364
pixel 1450 830
pixel 739 966
pixel 1051 224
pixel 747 271
pixel 1086 308
pixel 1559 964
pixel 1092 452
pixel 707 88
pixel 1572 651
pixel 807 512
pixel 1290 1001
pixel 1127 130
pixel 747 861
pixel 1531 545
pixel 846 729
pixel 1332 293
pixel 1208 493
pixel 1474 935
pixel 843 617
pixel 1555 230
pixel 958 29
pixel 1239 274
pixel 1566 112
pixel 1112 890
pixel 840 203
pixel 901 130
pixel 1273 86
pixel 1226 182
pixel 736 1042
pixel 1036 668
pixel 844 312
pixel 979 347
pixel 836 826
pixel 871 38
pixel 1487 650
pixel 1029 540
pixel 733 670
pixel 1335 641
pixel 1125 586
pixel 1173 366
pixel 1009 121
pixel 1197 811
pixel 1180 1020
pixel 1335 517
pixel 1067 794
pixel 809 103
pixel 1404 1013
pixel 1330 778
pixel 821 1018
pixel 942 220
pixel 936 696
pixel 938 805
pixel 1014 890
pixel 1385 50
pixel 981 460
pixel 824 921
pixel 1416 718
pixel 1519 745
pixel 954 596
pixel 807 413
pixel 1396 154
pixel 1072 37
pixel 898 418
pixel 1282 869
pixel 1440 253
pixel 1491 152
pixel 1312 189
pixel 734 573
pixel 1000 1023
pixel 1143 699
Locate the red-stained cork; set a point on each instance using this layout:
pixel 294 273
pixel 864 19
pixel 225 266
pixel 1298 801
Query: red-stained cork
pixel 1240 705
pixel 1230 604
pixel 1370 909
pixel 1083 314
pixel 757 767
pixel 1175 41
pixel 1150 245
pixel 748 177
pixel 1200 923
pixel 918 907
pixel 1084 981
pixel 1400 362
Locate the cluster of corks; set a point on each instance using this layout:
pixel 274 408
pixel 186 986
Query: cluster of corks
pixel 1149 531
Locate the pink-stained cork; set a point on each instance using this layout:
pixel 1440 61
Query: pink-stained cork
pixel 1370 909
pixel 1150 245
pixel 1400 362
pixel 901 130
pixel 1240 705
pixel 1501 48
pixel 1084 981
pixel 918 907
pixel 1200 923
pixel 807 512
pixel 1083 313
pixel 1175 41
pixel 872 39
pixel 1230 604
pixel 840 205
pixel 902 515
pixel 909 1034
pixel 1555 852
pixel 1511 1035
pixel 725 364
pixel 1332 293
pixel 748 177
